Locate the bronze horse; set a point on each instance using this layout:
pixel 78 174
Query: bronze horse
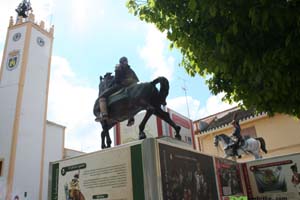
pixel 127 102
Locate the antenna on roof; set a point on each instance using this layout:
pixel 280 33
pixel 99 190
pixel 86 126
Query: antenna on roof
pixel 184 88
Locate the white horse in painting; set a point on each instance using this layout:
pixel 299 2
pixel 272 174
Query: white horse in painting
pixel 251 145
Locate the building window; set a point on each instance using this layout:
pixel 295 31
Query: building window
pixel 1 164
pixel 189 140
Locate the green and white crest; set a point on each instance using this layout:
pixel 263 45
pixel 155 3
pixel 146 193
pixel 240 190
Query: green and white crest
pixel 13 59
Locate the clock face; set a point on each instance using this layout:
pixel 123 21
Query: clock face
pixel 40 41
pixel 16 36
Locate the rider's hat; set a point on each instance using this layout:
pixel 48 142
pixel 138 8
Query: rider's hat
pixel 123 60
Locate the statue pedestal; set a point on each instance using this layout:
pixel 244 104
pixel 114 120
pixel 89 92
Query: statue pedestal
pixel 149 169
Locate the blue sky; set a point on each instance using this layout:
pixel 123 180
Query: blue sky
pixel 90 37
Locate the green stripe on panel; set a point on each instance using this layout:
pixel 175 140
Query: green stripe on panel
pixel 137 172
pixel 54 185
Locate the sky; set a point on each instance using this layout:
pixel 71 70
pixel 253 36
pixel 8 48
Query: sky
pixel 89 38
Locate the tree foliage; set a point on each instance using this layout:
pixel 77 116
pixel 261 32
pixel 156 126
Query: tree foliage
pixel 250 49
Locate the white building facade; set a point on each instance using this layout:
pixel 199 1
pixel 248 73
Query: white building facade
pixel 27 140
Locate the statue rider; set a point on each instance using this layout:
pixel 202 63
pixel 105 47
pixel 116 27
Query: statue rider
pixel 237 137
pixel 23 8
pixel 124 77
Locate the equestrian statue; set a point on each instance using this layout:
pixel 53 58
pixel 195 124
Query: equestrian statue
pixel 121 97
pixel 236 145
pixel 24 8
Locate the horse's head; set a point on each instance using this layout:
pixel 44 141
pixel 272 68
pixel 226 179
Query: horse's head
pixel 106 82
pixel 106 77
pixel 225 139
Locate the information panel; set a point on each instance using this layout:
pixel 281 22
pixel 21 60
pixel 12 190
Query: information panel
pixel 100 175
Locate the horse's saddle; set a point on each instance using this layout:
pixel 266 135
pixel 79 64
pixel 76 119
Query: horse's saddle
pixel 118 96
pixel 124 94
pixel 239 145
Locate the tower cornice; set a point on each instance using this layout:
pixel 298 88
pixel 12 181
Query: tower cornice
pixel 31 20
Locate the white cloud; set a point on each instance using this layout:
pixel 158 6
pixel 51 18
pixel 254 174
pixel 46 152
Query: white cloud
pixel 71 104
pixel 84 15
pixel 43 10
pixel 153 54
pixel 183 104
pixel 80 15
pixel 7 9
pixel 213 105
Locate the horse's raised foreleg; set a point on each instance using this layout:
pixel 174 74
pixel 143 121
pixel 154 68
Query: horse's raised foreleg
pixel 166 117
pixel 142 134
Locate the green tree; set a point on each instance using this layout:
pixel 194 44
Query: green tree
pixel 249 49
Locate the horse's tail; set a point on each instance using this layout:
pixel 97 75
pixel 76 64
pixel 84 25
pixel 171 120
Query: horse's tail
pixel 164 88
pixel 262 144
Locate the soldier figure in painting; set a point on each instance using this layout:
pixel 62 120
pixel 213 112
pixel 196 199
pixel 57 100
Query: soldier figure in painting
pixel 23 9
pixel 74 192
pixel 296 177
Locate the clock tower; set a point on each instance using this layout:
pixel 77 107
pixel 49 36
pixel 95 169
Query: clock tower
pixel 24 85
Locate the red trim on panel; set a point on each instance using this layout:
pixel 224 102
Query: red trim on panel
pixel 285 162
pixel 181 121
pixel 159 127
pixel 193 134
pixel 170 127
pixel 170 131
pixel 1 163
pixel 217 164
pixel 240 176
pixel 118 134
pixel 247 181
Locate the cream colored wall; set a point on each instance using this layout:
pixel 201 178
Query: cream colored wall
pixel 281 134
pixel 279 131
